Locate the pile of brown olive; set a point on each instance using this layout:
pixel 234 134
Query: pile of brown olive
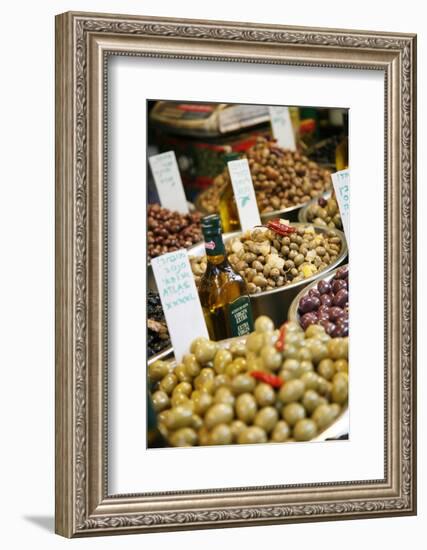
pixel 327 305
pixel 325 212
pixel 273 386
pixel 169 231
pixel 268 260
pixel 281 178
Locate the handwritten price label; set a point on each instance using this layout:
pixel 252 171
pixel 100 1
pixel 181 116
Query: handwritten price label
pixel 244 193
pixel 168 182
pixel 180 300
pixel 341 183
pixel 281 125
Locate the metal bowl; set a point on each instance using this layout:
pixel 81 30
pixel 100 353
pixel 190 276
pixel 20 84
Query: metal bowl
pixel 275 303
pixel 293 314
pixel 302 213
pixel 336 430
pixel 291 213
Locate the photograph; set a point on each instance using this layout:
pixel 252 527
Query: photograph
pixel 247 212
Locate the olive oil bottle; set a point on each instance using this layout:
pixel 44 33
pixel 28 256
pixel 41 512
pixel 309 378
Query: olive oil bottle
pixel 223 293
pixel 227 204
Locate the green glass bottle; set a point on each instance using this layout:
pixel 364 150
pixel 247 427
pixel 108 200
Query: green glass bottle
pixel 223 293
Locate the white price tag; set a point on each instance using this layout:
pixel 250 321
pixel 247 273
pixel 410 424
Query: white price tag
pixel 244 193
pixel 180 300
pixel 168 182
pixel 281 125
pixel 341 183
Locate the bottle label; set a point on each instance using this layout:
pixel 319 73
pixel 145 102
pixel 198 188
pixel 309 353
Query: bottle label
pixel 214 246
pixel 240 316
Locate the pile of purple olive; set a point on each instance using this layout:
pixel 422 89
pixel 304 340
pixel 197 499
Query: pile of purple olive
pixel 327 304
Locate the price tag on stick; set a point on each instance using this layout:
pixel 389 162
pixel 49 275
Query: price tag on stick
pixel 282 128
pixel 168 182
pixel 180 300
pixel 341 183
pixel 244 193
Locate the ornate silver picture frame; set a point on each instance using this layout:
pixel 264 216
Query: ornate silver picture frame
pixel 84 43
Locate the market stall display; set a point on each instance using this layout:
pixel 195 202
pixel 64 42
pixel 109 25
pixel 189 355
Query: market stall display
pixel 157 331
pixel 274 385
pixel 282 179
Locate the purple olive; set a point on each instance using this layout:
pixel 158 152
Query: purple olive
pixel 308 319
pixel 314 292
pixel 326 299
pixel 328 326
pixel 342 273
pixel 308 303
pixel 338 284
pixel 322 202
pixel 341 298
pixel 324 287
pixel 336 313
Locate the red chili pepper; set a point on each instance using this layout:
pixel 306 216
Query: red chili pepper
pixel 279 227
pixel 280 344
pixel 271 379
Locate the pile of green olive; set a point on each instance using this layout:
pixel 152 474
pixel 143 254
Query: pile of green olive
pixel 324 212
pixel 273 386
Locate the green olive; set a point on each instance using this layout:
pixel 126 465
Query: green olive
pixel 254 341
pixel 220 413
pixel 168 383
pixel 341 365
pixel 224 395
pixel 304 354
pixel 160 400
pixel 183 387
pixel 317 349
pixel 191 364
pixel 238 349
pixel 314 331
pixel 293 366
pixel 311 380
pixel 202 401
pixel 184 437
pixel 221 381
pixel 306 366
pixel 264 394
pixel 271 358
pixel 291 391
pixel 281 432
pixel 324 387
pixel 270 338
pixel 252 434
pixel 222 358
pixel 158 370
pixel 205 351
pixel 305 429
pixel 323 415
pixel 236 427
pixel 246 407
pixel 311 400
pixel 242 383
pixel 266 418
pixel 326 368
pixel 220 435
pixel 204 436
pixel 182 374
pixel 339 388
pixel 264 324
pixel 338 348
pixel 292 413
pixel 196 342
pixel 179 417
pixel 179 398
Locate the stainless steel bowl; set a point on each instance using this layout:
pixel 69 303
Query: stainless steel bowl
pixel 339 428
pixel 293 314
pixel 275 303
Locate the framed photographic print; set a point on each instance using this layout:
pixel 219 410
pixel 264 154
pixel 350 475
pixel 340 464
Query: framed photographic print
pixel 235 274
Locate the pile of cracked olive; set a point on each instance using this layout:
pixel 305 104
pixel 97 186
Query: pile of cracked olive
pixel 325 212
pixel 275 386
pixel 157 331
pixel 169 231
pixel 268 260
pixel 282 178
pixel 327 305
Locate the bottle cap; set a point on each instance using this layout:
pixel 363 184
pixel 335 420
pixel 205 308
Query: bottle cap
pixel 211 224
